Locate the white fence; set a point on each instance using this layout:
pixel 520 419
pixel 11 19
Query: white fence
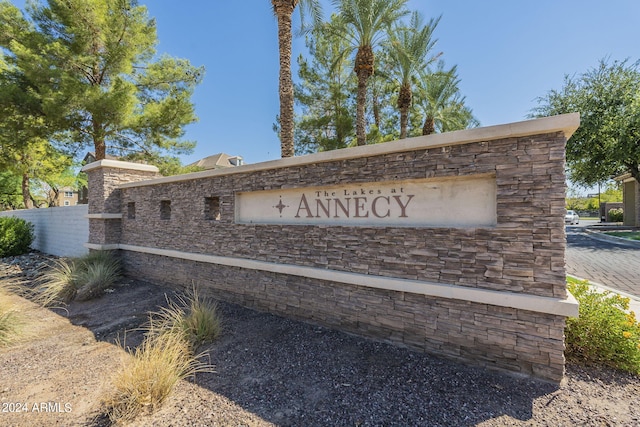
pixel 59 231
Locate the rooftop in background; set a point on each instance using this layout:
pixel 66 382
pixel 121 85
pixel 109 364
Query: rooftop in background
pixel 90 157
pixel 219 161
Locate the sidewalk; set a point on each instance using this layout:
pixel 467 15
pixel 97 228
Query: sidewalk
pixel 634 303
pixel 612 263
pixel 608 263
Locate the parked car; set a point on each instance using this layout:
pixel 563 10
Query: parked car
pixel 571 217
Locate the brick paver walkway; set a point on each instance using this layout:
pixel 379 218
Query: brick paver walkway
pixel 610 264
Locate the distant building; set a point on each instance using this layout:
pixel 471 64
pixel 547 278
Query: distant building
pixel 67 196
pixel 90 157
pixel 219 161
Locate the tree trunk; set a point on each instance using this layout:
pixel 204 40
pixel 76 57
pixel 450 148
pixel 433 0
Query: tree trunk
pixel 98 141
pixel 429 126
pixel 101 149
pixel 54 198
pixel 376 107
pixel 26 193
pixel 404 103
pixel 361 100
pixel 363 69
pixel 283 10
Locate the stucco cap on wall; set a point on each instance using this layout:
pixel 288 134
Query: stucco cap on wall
pixel 117 164
pixel 627 177
pixel 565 123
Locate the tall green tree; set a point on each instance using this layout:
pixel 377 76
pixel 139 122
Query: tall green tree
pixel 324 95
pixel 94 65
pixel 408 47
pixel 283 10
pixel 607 143
pixel 441 103
pixel 10 191
pixel 365 24
pixel 25 150
pixel 36 161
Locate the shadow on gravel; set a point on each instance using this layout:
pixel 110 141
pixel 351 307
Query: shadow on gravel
pixel 291 373
pixel 119 314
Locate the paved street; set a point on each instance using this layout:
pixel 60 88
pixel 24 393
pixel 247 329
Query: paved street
pixel 607 263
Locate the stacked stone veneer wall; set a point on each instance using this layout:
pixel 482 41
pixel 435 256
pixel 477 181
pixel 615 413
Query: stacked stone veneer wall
pixel 105 202
pixel 494 295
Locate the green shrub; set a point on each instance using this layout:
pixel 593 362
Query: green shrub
pixel 16 235
pixel 616 215
pixel 605 332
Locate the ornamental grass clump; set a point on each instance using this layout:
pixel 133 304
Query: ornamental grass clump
pixel 97 272
pixel 58 284
pixel 193 317
pixel 10 321
pixel 605 332
pixel 148 375
pixel 79 278
pixel 8 325
pixel 166 356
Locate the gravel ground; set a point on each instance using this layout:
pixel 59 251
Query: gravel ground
pixel 271 371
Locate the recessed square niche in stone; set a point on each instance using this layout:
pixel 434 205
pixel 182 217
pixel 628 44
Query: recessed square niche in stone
pixel 165 209
pixel 131 210
pixel 212 208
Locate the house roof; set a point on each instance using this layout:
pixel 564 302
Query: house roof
pixel 90 157
pixel 216 161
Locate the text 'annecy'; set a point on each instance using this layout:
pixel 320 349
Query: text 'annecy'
pixel 356 206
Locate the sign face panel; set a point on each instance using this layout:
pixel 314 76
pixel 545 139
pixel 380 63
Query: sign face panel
pixel 448 202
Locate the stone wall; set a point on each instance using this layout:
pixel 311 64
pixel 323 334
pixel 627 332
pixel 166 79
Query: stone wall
pixel 105 204
pixel 495 295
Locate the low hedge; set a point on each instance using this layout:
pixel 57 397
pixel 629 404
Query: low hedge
pixel 16 236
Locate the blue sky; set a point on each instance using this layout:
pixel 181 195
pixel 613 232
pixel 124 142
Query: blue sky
pixel 508 52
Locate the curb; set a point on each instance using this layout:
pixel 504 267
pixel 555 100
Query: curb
pixel 634 301
pixel 599 235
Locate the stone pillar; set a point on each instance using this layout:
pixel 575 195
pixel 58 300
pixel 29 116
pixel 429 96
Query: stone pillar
pixel 105 207
pixel 631 200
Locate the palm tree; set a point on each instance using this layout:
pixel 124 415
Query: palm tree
pixel 283 9
pixel 441 103
pixel 363 22
pixel 408 49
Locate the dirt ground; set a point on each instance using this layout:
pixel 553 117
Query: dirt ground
pixel 271 371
